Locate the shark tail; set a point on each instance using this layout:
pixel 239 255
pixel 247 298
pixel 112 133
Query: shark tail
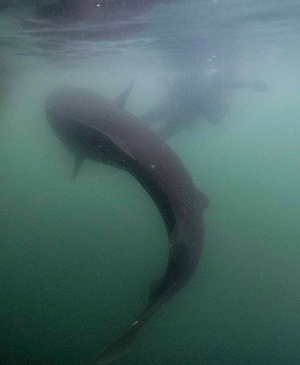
pixel 123 343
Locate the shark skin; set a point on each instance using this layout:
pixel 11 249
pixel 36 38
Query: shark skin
pixel 95 128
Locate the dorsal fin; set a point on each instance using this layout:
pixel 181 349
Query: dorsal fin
pixel 122 98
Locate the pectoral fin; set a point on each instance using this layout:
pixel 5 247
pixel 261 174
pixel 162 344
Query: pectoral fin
pixel 203 199
pixel 78 162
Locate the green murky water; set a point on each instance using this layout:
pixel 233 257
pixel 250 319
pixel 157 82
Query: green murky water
pixel 78 257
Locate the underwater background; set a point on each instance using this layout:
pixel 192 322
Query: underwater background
pixel 78 257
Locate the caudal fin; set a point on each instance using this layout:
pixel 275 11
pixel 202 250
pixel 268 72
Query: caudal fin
pixel 118 348
pixel 123 343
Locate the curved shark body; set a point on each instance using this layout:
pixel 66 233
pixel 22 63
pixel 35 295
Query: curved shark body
pixel 95 128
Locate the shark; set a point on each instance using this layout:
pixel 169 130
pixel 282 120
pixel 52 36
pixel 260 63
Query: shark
pixel 96 128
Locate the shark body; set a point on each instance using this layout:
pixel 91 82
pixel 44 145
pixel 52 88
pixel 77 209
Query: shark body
pixel 98 129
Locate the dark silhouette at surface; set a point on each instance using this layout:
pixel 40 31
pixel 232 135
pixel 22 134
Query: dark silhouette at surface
pixel 192 98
